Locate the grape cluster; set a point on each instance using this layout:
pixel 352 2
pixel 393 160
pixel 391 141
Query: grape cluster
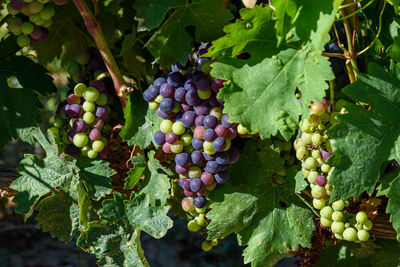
pixel 31 19
pixel 88 66
pixel 313 148
pixel 196 130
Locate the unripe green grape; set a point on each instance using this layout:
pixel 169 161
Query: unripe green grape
pixel 310 163
pixel 228 144
pixel 325 222
pixel 337 216
pixel 338 205
pixel 88 106
pixel 346 225
pixel 204 94
pixel 305 173
pixel 102 100
pixel 85 150
pixel 214 242
pixel 339 237
pixel 79 89
pixel 314 120
pixel 321 127
pixel 80 139
pixel 350 234
pixel 14 25
pixel 177 107
pixel 153 105
pixel 325 168
pixel 35 7
pixel 326 212
pixel 241 129
pixel 306 138
pixel 47 12
pixel 88 117
pixel 54 132
pixel 23 40
pixel 207 145
pixel 98 146
pixel 358 226
pixel 333 117
pixel 91 94
pixel 200 219
pixel 301 153
pixel 298 143
pixel 337 227
pixel 186 139
pixel 206 245
pixel 318 203
pixel 363 235
pixel 177 147
pixel 316 139
pixel 158 99
pixel 216 112
pixel 166 126
pixel 367 225
pixel 324 117
pixel 305 126
pixel 340 104
pixel 92 154
pixel 361 217
pixel 194 172
pixel 183 176
pixel 104 140
pixel 312 176
pixel 58 122
pixel 178 128
pixel 211 186
pixel 281 172
pixel 193 226
pixel 27 28
pixel 202 210
pixel 318 192
pixel 316 154
pixel 210 151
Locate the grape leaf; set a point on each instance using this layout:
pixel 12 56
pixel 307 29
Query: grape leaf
pixel 268 218
pixel 260 91
pixel 207 16
pixel 393 206
pixel 114 208
pixel 136 172
pixel 366 137
pixel 140 122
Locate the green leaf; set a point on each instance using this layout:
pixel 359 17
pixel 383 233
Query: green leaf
pixel 207 16
pixel 134 174
pixel 260 91
pixel 96 175
pixel 393 206
pixel 150 219
pixel 140 122
pixel 366 137
pixel 113 209
pixel 257 209
pixel 394 50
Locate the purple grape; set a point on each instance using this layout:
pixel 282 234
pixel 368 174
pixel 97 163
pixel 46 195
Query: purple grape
pixel 98 123
pixel 174 68
pixel 159 81
pixel 188 118
pixel 79 126
pixel 167 90
pixel 203 83
pixel 146 96
pixel 101 112
pixel 189 193
pixel 192 98
pixel 209 157
pixel 179 116
pixel 175 79
pixel 180 94
pixel 195 185
pixel 73 111
pixel 209 135
pixel 171 138
pixel 17 4
pixel 320 180
pixel 210 121
pixel 222 158
pixel 94 134
pixel 159 137
pixel 199 202
pixel 202 109
pixel 166 148
pixel 233 155
pixel 154 91
pixel 213 101
pixel 72 150
pixel 181 170
pixel 197 157
pixel 45 34
pixel 197 143
pixel 70 135
pixel 224 167
pixel 199 120
pixel 224 121
pixel 186 107
pixel 95 64
pixel 221 177
pixel 232 132
pixel 73 99
pixel 167 105
pixel 100 86
pixel 207 178
pixel 161 114
pixel 212 167
pixel 186 184
pixel 37 34
pixel 182 159
pixel 220 130
pixel 217 84
pixel 219 143
pixel 325 154
pixel 189 85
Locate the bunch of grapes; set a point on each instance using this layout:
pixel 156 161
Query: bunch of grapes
pixel 89 66
pixel 196 130
pixel 313 148
pixel 31 19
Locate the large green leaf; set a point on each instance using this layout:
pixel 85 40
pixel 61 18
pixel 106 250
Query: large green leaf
pixel 393 206
pixel 268 218
pixel 366 137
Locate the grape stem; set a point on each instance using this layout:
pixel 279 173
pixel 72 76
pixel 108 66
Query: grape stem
pixel 338 55
pixel 95 31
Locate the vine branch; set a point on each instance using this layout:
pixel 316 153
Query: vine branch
pixel 95 31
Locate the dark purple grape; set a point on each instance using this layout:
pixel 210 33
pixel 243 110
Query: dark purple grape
pixel 199 202
pixel 95 64
pixel 146 96
pixel 217 84
pixel 79 126
pixel 233 155
pixel 219 143
pixel 159 81
pixel 45 34
pixel 197 143
pixel 209 135
pixel 182 159
pixel 174 68
pixel 167 90
pixel 188 118
pixel 100 86
pixel 212 167
pixel 232 132
pixel 224 167
pixel 220 130
pixel 199 120
pixel 213 101
pixel 101 112
pixel 37 33
pixel 167 105
pixel 222 158
pixel 181 170
pixel 104 153
pixel 175 79
pixel 190 85
pixel 210 121
pixel 179 116
pixel 192 98
pixel 203 83
pixel 180 94
pixel 73 111
pixel 186 184
pixel 159 137
pixel 197 157
pixel 98 123
pixel 221 177
pixel 185 107
pixel 72 150
pixel 209 157
pixel 224 121
pixel 154 91
pixel 337 65
pixel 171 138
pixel 70 135
pixel 161 114
pixel 94 134
pixel 17 4
pixel 195 185
pixel 202 109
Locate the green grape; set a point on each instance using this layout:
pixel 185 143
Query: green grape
pixel 321 127
pixel 193 226
pixel 91 94
pixel 88 117
pixel 305 173
pixel 346 225
pixel 314 120
pixel 306 138
pixel 298 144
pixel 316 139
pixel 340 104
pixel 216 112
pixel 200 219
pixel 326 212
pixel 35 7
pixel 183 176
pixel 14 25
pixel 210 151
pixel 361 217
pixel 79 89
pixel 359 226
pixel 367 225
pixel 214 242
pixel 317 108
pixel 318 192
pixel 158 99
pixel 325 222
pixel 316 154
pixel 11 10
pixel 281 172
pixel 310 163
pixel 363 235
pixel 204 94
pixel 189 149
pixel 98 146
pixel 186 139
pixel 71 122
pixel 207 145
pixel 241 129
pixel 333 118
pixel 202 210
pixel 350 234
pixel 325 168
pixel 54 132
pixel 178 128
pixel 318 203
pixel 206 245
pixel 23 40
pixel 166 126
pixel 194 172
pixel 102 100
pixel 58 122
pixel 312 176
pixel 85 150
pixel 337 227
pixel 228 144
pixel 338 205
pixel 211 187
pixel 337 216
pixel 80 139
pixel 301 153
pixel 153 105
pixel 88 106
pixel 47 23
pixel 47 12
pixel 177 147
pixel 305 126
pixel 27 28
pixel 339 237
pixel 92 154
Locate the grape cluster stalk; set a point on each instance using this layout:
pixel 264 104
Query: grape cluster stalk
pixel 31 19
pixel 313 148
pixel 196 131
